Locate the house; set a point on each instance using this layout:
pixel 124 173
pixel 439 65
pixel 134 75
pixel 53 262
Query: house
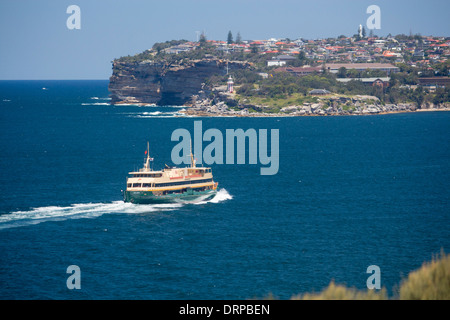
pixel 387 67
pixel 382 82
pixel 434 81
pixel 279 63
pixel 284 57
pixel 280 60
pixel 178 49
pixel 299 71
pixel 419 54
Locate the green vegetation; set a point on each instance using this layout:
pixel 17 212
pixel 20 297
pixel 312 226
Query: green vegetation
pixel 238 38
pixel 230 38
pixel 275 103
pixel 285 87
pixel 164 45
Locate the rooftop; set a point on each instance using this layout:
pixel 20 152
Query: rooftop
pixel 336 66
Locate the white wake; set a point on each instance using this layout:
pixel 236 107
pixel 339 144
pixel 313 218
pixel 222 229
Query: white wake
pixel 221 195
pixel 92 210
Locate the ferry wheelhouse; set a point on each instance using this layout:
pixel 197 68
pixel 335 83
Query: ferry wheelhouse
pixel 170 184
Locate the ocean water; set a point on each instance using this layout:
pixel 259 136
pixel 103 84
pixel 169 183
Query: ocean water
pixel 350 192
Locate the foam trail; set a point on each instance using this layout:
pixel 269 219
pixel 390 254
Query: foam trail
pixel 76 211
pixel 93 210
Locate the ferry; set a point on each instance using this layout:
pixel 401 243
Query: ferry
pixel 170 184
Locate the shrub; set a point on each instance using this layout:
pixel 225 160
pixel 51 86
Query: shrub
pixel 340 292
pixel 430 282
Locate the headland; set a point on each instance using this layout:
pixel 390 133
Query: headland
pixel 284 77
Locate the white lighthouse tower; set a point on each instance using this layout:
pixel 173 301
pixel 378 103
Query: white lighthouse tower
pixel 230 84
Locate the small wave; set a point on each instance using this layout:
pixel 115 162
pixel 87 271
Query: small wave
pixel 77 211
pixel 98 98
pixel 134 105
pixel 152 113
pixel 96 104
pixel 148 117
pixel 156 114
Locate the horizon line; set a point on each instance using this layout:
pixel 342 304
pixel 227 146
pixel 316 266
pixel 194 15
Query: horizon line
pixel 54 79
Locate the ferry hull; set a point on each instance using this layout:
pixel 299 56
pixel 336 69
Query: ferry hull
pixel 147 197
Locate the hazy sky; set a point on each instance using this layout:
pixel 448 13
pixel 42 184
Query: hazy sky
pixel 35 42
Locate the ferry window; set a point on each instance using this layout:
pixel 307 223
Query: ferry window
pixel 129 185
pixel 136 185
pixel 159 185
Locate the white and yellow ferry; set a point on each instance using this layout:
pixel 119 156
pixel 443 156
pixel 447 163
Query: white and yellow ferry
pixel 170 184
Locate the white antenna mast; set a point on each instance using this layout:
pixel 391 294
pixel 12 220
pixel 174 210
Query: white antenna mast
pixel 192 156
pixel 147 166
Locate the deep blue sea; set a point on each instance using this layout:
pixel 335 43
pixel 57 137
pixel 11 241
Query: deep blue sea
pixel 351 191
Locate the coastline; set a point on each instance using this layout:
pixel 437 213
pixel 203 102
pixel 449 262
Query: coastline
pixel 281 115
pixel 193 111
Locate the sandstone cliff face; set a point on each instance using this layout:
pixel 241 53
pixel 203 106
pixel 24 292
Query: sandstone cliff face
pixel 163 84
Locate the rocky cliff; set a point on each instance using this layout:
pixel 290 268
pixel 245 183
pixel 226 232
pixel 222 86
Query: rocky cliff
pixel 163 83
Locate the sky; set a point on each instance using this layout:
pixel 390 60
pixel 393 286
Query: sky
pixel 35 42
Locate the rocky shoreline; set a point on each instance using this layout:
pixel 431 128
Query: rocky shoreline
pixel 330 106
pixel 221 110
pixel 196 113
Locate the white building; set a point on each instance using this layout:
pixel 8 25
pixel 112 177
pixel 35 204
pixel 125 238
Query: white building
pixel 278 63
pixel 230 84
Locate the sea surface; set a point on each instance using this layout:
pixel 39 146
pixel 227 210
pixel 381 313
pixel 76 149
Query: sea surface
pixel 351 192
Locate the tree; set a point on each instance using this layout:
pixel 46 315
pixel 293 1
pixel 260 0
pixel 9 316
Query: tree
pixel 230 38
pixel 302 58
pixel 439 97
pixel 238 38
pixel 254 48
pixel 357 36
pixel 418 96
pixel 202 40
pixel 363 32
pixel 342 72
